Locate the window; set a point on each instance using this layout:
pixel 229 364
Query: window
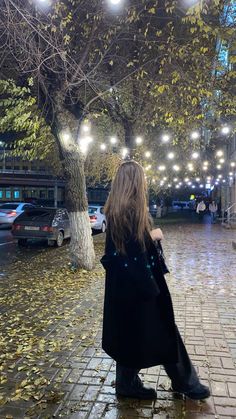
pixel 25 168
pixel 42 194
pixel 102 210
pixel 16 167
pixel 9 206
pixel 1 194
pixel 16 194
pixel 51 194
pixel 8 194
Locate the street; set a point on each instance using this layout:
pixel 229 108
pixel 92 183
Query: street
pixel 53 363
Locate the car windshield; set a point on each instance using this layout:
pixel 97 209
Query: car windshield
pixel 35 214
pixel 9 206
pixel 92 210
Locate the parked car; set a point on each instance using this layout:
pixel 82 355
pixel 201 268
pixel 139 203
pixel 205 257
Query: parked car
pixel 97 217
pixel 51 224
pixel 11 210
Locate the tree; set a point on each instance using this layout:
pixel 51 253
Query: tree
pixel 148 67
pixel 62 50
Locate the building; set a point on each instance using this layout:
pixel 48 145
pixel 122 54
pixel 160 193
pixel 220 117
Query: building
pixel 34 182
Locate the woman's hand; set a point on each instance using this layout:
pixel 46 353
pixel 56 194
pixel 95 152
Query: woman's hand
pixel 156 234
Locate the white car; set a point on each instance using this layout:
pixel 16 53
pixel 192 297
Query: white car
pixel 97 217
pixel 9 212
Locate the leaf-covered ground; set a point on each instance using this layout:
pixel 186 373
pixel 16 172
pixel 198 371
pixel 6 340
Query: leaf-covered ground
pixel 45 307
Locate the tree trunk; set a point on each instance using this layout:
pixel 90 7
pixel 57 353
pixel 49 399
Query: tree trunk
pixel 129 135
pixel 81 244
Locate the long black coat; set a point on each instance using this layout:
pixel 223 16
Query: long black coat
pixel 138 323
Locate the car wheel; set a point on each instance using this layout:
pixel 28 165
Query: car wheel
pixel 104 227
pixel 60 239
pixel 22 242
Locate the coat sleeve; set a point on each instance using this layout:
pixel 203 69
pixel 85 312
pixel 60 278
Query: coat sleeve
pixel 130 276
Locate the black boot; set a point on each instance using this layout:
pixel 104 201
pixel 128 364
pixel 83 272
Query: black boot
pixel 199 392
pixel 128 384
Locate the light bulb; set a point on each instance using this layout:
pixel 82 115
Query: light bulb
pixel 171 155
pixel 138 140
pixel 165 138
pixel 148 154
pixel 225 130
pixel 195 155
pixel 195 135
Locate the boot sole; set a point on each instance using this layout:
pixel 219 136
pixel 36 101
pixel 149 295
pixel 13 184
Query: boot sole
pixel 191 398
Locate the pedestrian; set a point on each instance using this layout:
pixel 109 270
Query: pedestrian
pixel 201 208
pixel 213 208
pixel 139 328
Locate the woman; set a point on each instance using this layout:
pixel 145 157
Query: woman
pixel 138 327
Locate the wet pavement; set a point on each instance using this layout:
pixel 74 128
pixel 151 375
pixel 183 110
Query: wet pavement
pixel 52 362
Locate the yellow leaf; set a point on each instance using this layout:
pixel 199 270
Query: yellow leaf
pixel 152 11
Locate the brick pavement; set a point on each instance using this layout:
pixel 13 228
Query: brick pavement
pixel 202 284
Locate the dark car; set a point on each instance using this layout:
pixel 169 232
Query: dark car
pixel 51 224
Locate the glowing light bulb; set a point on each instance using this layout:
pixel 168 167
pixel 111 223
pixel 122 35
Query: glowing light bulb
pixel 113 140
pixel 148 154
pixel 165 138
pixel 195 155
pixel 138 140
pixel 103 147
pixel 225 130
pixel 219 153
pixel 124 152
pixel 162 168
pixel 197 179
pixel 232 164
pixel 195 135
pixel 176 168
pixel 218 166
pixel 222 161
pixel 171 155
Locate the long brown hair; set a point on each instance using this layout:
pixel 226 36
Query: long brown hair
pixel 126 206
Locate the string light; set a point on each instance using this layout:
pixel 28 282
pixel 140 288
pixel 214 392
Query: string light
pixel 186 179
pixel 84 143
pixel 138 140
pixel 165 138
pixel 113 140
pixel 85 127
pixel 232 164
pixel 176 168
pixel 195 155
pixel 171 155
pixel 219 153
pixel 124 152
pixel 218 166
pixel 148 154
pixel 201 186
pixel 195 135
pixel 103 147
pixel 175 179
pixel 225 130
pixel 222 161
pixel 162 168
pixel 197 179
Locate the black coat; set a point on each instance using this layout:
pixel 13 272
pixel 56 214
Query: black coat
pixel 138 322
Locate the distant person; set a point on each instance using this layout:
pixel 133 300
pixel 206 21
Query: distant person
pixel 139 329
pixel 201 208
pixel 213 208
